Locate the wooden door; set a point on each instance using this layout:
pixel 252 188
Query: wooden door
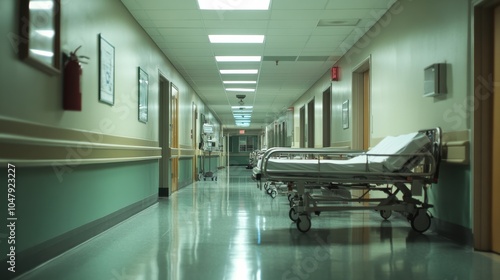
pixel 495 215
pixel 366 110
pixel 175 138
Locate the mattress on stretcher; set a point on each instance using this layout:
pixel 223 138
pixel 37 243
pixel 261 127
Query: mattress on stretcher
pixel 388 156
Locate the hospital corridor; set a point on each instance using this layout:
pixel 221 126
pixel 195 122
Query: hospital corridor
pixel 228 229
pixel 249 139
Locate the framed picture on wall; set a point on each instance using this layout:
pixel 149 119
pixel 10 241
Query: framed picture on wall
pixel 106 71
pixel 39 34
pixel 143 85
pixel 345 114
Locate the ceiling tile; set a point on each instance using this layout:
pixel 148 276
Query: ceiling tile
pixel 304 50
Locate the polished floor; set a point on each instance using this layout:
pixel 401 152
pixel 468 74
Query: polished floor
pixel 229 229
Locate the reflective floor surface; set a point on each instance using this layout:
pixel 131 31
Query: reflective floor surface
pixel 229 229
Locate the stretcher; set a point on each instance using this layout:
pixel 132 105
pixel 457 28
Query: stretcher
pixel 401 168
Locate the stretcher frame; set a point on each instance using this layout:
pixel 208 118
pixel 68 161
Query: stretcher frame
pixel 418 174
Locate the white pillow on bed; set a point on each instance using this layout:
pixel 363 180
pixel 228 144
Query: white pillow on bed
pixel 397 145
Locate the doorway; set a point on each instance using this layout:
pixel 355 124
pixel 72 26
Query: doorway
pixel 310 124
pixel 174 133
pixel 486 133
pixel 302 140
pixel 327 117
pixel 495 219
pixel 361 113
pixel 194 139
pixel 164 135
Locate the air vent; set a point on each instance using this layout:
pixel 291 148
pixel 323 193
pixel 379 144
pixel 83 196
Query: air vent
pixel 338 22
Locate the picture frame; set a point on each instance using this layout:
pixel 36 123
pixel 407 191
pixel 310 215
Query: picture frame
pixel 106 71
pixel 39 42
pixel 143 85
pixel 345 114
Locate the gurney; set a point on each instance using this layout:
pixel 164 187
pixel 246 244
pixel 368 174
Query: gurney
pixel 399 167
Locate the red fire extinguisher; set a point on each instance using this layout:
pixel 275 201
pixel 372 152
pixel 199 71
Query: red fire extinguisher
pixel 72 96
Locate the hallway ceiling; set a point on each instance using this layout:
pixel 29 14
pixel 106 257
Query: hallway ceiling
pixel 303 40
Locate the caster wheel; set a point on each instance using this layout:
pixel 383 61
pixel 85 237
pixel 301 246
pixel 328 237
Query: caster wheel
pixel 421 221
pixel 317 213
pixel 293 215
pixel 274 193
pixel 385 214
pixel 289 197
pixel 304 223
pixel 268 191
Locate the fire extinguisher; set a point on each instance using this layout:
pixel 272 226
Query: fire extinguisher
pixel 72 96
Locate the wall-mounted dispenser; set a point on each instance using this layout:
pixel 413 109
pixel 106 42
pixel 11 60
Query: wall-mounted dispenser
pixel 435 80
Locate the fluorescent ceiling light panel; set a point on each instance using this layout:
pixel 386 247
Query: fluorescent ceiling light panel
pixel 46 33
pixel 242 112
pixel 243 124
pixel 238 58
pixel 42 53
pixel 41 5
pixel 239 82
pixel 242 71
pixel 234 5
pixel 241 89
pixel 236 39
pixel 241 107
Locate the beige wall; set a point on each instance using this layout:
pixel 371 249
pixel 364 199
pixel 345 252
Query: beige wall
pixel 401 45
pixel 29 94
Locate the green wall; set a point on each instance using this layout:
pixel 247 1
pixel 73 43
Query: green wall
pixel 47 207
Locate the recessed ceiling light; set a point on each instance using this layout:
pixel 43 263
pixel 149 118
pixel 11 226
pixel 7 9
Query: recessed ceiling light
pixel 41 5
pixel 237 58
pixel 242 112
pixel 242 71
pixel 233 5
pixel 236 38
pixel 243 117
pixel 243 124
pixel 239 82
pixel 42 53
pixel 241 89
pixel 241 107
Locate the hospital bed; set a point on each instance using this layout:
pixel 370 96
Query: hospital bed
pixel 401 168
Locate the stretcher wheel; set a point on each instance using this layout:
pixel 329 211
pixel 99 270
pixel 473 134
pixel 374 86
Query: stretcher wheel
pixel 293 215
pixel 304 223
pixel 289 197
pixel 421 221
pixel 268 191
pixel 274 193
pixel 385 214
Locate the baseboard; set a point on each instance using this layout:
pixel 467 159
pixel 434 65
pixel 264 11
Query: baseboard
pixel 41 253
pixel 454 232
